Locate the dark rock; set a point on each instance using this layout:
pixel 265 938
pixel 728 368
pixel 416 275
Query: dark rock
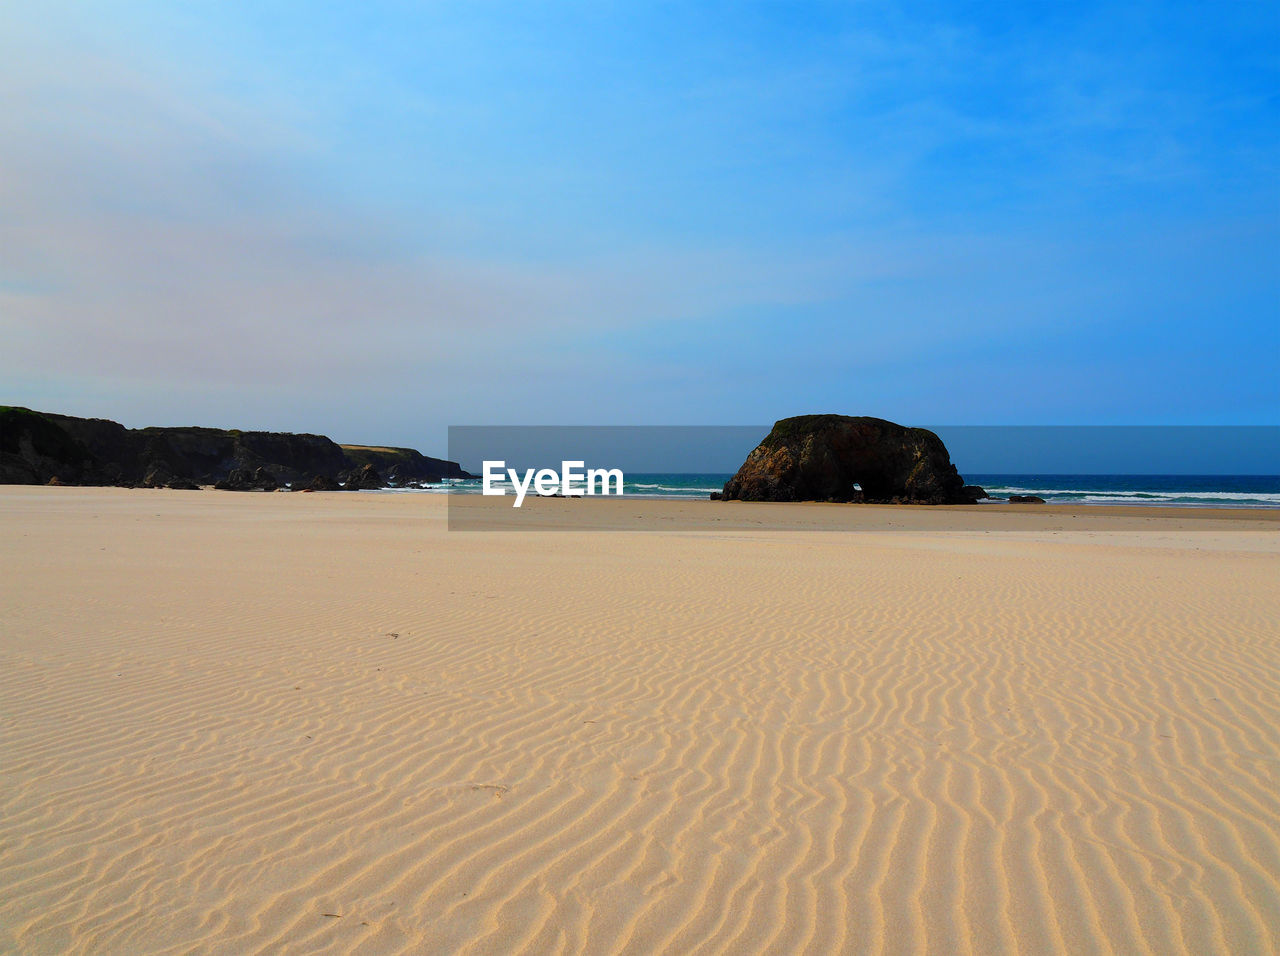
pixel 242 479
pixel 322 483
pixel 1026 500
pixel 823 457
pixel 265 480
pixel 974 492
pixel 158 476
pixel 239 479
pixel 717 496
pixel 163 477
pixel 34 449
pixel 364 478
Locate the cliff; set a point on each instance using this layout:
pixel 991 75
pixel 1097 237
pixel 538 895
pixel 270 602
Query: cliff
pixel 36 447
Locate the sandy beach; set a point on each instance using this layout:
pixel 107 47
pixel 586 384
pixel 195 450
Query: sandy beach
pixel 288 723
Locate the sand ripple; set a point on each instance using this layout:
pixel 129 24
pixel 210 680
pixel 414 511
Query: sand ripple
pixel 242 728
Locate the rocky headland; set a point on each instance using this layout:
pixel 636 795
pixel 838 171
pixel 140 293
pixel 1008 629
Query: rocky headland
pixel 46 448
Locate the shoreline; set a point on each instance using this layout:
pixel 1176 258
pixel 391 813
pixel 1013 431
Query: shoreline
pixel 766 509
pixel 475 512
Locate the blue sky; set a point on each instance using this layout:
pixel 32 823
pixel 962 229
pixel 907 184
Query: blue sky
pixel 376 220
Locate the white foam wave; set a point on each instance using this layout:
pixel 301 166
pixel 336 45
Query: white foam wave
pixel 1141 495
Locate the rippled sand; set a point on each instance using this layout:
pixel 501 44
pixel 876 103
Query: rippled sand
pixel 307 723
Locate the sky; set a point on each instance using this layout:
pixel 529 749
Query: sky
pixel 377 220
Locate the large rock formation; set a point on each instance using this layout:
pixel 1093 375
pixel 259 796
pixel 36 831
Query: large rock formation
pixel 840 458
pixel 242 479
pixel 38 446
pixel 364 478
pixel 322 483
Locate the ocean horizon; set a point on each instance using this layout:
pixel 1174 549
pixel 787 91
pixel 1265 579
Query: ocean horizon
pixel 1186 491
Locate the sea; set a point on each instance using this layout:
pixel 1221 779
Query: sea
pixel 1190 491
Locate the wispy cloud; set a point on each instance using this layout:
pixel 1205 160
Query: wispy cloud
pixel 706 220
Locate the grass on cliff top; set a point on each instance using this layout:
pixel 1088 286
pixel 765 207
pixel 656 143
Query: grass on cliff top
pixel 380 449
pixel 379 455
